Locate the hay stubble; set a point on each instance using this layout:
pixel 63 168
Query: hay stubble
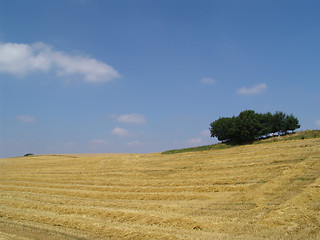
pixel 265 191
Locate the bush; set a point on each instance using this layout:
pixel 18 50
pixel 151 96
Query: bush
pixel 28 154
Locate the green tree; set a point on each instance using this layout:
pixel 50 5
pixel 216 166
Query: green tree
pixel 266 123
pixel 278 120
pixel 249 126
pixel 223 128
pixel 291 123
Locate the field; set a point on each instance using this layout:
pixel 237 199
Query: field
pixel 269 190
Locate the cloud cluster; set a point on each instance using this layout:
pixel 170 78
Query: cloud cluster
pixel 194 142
pixel 208 81
pixel 205 133
pixel 131 118
pixel 21 59
pixel 256 89
pixel 203 139
pixel 120 131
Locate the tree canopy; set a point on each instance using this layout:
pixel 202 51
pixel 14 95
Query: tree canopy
pixel 249 126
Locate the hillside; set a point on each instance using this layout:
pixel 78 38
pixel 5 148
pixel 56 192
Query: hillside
pixel 269 190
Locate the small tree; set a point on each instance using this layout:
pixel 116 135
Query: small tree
pixel 290 123
pixel 266 123
pixel 278 120
pixel 248 127
pixel 28 154
pixel 224 129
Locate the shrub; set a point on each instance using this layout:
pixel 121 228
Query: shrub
pixel 28 154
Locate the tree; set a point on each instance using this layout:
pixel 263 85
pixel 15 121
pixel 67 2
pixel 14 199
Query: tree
pixel 28 154
pixel 224 129
pixel 249 126
pixel 266 123
pixel 278 120
pixel 291 123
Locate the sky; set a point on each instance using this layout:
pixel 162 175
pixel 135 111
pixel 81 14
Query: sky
pixel 124 76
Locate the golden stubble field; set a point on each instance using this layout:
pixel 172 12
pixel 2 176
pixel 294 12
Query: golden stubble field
pixel 262 191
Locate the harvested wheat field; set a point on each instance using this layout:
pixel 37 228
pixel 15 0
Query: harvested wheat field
pixel 260 191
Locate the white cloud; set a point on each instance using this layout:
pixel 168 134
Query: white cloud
pixel 195 142
pixel 204 138
pixel 26 119
pixel 120 131
pixel 131 118
pixel 317 123
pixel 205 133
pixel 21 59
pixel 208 80
pixel 256 89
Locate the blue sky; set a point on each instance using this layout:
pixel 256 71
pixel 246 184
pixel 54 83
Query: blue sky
pixel 86 76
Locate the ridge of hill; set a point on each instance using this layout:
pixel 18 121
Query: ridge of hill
pixel 292 136
pixel 269 190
